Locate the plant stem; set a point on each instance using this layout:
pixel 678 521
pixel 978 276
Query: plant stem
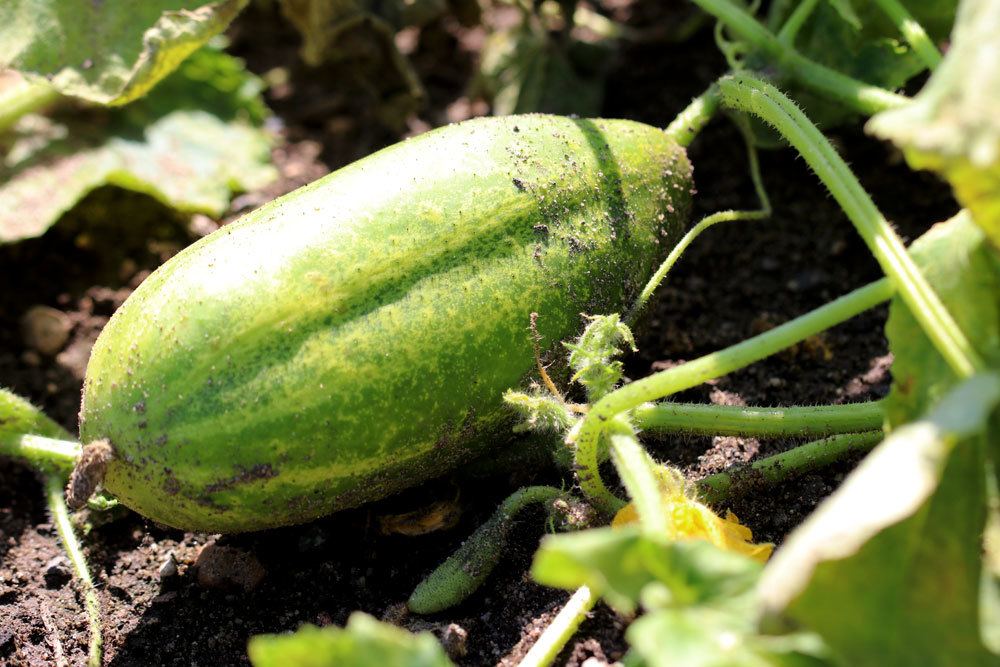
pixel 912 31
pixel 636 469
pixel 795 22
pixel 60 517
pixel 562 627
pixel 813 455
pixel 45 454
pixel 762 213
pixel 747 93
pixel 24 98
pixel 693 373
pixel 862 97
pixel 820 420
pixel 688 123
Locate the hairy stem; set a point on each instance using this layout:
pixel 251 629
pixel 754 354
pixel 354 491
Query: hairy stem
pixel 60 517
pixel 45 454
pixel 912 31
pixel 688 123
pixel 762 213
pixel 562 627
pixel 743 92
pixel 860 96
pixel 587 437
pixel 786 465
pixel 636 469
pixel 820 420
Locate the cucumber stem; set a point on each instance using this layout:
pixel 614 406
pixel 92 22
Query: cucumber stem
pixel 45 454
pixel 743 92
pixel 563 626
pixel 689 122
pixel 636 470
pixel 721 486
pixel 795 22
pixel 60 517
pixel 592 427
pixel 762 213
pixel 912 32
pixel 24 98
pixel 820 420
pixel 860 96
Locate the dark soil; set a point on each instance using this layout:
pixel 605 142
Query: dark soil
pixel 737 280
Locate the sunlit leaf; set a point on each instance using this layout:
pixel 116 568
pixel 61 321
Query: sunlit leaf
pixel 107 52
pixel 190 144
pixel 619 563
pixel 887 570
pixel 964 272
pixel 953 125
pixel 364 642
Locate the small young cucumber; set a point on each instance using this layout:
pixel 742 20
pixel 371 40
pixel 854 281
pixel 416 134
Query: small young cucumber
pixel 354 337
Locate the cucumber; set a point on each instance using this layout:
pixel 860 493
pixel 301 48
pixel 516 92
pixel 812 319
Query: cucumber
pixel 354 337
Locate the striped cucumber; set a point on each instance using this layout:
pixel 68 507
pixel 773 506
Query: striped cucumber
pixel 354 337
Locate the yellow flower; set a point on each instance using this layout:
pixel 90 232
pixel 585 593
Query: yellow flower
pixel 688 519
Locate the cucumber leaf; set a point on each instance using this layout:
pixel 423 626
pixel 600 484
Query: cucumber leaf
pixel 857 39
pixel 964 271
pixel 189 144
pixel 107 52
pixel 364 642
pixel 620 563
pixel 953 125
pixel 898 545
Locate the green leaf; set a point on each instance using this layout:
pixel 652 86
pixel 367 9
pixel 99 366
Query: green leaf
pixel 953 125
pixel 364 642
pixel 964 271
pixel 593 354
pixel 107 52
pixel 887 570
pixel 857 39
pixel 707 637
pixel 524 70
pixel 620 563
pixel 189 144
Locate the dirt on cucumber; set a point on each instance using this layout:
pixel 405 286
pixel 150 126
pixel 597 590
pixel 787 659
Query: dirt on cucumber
pixel 175 598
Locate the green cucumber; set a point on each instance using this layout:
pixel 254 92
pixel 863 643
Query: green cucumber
pixel 354 337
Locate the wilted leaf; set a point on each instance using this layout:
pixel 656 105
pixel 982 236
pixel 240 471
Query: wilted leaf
pixel 166 145
pixel 107 52
pixel 364 642
pixel 353 34
pixel 619 563
pixel 887 570
pixel 953 125
pixel 963 270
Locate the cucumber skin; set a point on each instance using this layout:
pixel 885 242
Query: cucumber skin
pixel 354 337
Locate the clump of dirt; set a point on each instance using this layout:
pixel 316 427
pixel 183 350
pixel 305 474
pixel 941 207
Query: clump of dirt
pixel 159 605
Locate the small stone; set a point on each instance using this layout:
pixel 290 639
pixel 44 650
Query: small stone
pixel 454 639
pixel 57 572
pixel 45 329
pixel 168 568
pixel 226 568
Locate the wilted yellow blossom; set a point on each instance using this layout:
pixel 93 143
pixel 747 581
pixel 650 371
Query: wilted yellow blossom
pixel 689 519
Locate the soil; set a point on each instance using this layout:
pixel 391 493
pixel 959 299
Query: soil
pixel 159 608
